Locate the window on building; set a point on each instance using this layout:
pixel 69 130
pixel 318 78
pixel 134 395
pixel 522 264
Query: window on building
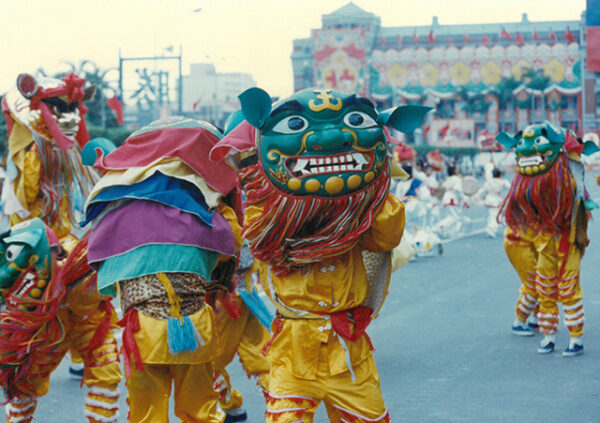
pixel 508 127
pixel 568 102
pixel 445 109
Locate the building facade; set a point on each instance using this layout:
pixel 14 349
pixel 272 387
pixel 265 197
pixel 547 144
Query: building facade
pixel 481 78
pixel 212 96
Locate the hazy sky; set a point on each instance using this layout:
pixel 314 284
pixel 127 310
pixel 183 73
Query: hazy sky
pixel 253 36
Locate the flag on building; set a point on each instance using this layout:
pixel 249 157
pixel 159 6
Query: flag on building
pixel 485 40
pixel 116 106
pixel 431 36
pixel 569 35
pixel 519 38
pixel 415 37
pixel 399 39
pixel 552 35
pixel 382 40
pixel 535 36
pixel 505 33
pixel 466 38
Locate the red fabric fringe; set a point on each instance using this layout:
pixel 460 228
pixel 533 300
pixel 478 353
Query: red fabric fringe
pixel 543 202
pixel 228 303
pixel 75 268
pixel 131 323
pixel 294 231
pixel 29 336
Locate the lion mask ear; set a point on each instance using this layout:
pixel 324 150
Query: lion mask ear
pixel 27 85
pixel 589 148
pixel 404 118
pixel 555 135
pixel 507 140
pixel 256 106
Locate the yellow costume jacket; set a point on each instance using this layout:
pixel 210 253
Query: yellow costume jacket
pixel 306 300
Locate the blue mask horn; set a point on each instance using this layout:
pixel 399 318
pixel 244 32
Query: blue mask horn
pixel 555 135
pixel 589 148
pixel 256 106
pixel 508 141
pixel 404 118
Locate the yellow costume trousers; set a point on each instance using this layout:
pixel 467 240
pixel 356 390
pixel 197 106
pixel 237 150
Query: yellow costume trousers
pixel 292 399
pixel 102 372
pixel 522 254
pixel 246 337
pixel 190 372
pixel 555 278
pixel 195 400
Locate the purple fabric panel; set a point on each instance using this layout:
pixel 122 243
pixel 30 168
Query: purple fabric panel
pixel 141 222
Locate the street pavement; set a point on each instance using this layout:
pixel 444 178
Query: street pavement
pixel 445 351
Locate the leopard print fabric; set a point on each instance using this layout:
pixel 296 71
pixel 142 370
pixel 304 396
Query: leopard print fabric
pixel 147 294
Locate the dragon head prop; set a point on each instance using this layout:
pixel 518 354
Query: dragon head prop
pixel 33 288
pixel 321 142
pixel 546 191
pixel 27 263
pixel 50 107
pixel 318 166
pixel 539 146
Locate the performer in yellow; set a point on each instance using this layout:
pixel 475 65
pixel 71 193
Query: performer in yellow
pixel 162 234
pixel 546 210
pixel 321 222
pixel 520 249
pixel 47 180
pixel 241 333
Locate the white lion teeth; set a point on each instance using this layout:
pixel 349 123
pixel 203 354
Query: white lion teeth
pixel 328 164
pixel 530 161
pixel 359 158
pixel 301 166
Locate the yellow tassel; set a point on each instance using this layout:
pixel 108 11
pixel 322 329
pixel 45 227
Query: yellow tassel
pixel 174 300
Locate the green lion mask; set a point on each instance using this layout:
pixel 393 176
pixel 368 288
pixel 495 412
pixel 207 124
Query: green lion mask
pixel 25 261
pixel 323 142
pixel 538 147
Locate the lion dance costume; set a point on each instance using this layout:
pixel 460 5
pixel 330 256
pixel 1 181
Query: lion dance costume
pixel 547 210
pixel 319 219
pixel 46 179
pixel 161 234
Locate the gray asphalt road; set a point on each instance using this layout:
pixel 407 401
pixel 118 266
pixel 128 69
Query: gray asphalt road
pixel 444 348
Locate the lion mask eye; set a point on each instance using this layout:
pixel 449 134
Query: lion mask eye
pixel 291 125
pixel 359 120
pixel 13 251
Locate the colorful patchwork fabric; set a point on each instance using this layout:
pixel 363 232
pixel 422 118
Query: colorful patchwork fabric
pixel 159 188
pixel 141 222
pixel 172 167
pixel 182 140
pixel 155 258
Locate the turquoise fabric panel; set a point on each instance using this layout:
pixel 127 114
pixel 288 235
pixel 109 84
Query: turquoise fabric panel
pixel 155 258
